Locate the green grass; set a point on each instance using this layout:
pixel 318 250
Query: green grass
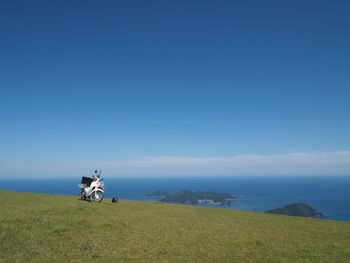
pixel 52 228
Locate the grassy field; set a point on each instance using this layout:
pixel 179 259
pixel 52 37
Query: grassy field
pixel 52 228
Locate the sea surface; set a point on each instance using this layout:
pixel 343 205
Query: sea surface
pixel 328 194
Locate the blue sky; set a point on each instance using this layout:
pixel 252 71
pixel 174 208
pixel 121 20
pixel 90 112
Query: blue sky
pixel 104 83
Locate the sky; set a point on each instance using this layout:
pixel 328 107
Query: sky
pixel 160 88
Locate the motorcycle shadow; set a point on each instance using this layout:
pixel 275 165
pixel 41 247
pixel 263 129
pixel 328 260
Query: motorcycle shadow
pixel 101 203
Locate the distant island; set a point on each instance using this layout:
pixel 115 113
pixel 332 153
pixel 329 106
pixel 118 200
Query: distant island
pixel 193 198
pixel 299 209
pixel 158 193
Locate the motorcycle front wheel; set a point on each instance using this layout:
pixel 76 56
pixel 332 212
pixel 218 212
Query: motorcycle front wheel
pixel 96 197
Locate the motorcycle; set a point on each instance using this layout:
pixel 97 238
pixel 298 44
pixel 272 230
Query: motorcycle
pixel 92 188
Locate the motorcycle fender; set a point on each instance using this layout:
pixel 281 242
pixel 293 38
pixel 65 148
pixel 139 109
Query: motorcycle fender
pixel 96 190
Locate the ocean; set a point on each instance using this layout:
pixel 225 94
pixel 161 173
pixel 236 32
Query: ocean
pixel 328 194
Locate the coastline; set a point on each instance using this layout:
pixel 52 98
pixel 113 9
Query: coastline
pixel 327 194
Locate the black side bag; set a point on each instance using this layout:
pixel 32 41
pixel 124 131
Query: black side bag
pixel 86 180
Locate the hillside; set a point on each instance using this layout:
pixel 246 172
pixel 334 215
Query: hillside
pixel 52 228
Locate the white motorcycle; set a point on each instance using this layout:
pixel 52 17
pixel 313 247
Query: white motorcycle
pixel 92 188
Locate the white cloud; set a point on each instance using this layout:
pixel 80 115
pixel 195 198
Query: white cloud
pixel 302 163
pixel 311 163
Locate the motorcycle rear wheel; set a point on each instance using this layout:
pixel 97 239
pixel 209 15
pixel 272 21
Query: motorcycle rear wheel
pixel 96 197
